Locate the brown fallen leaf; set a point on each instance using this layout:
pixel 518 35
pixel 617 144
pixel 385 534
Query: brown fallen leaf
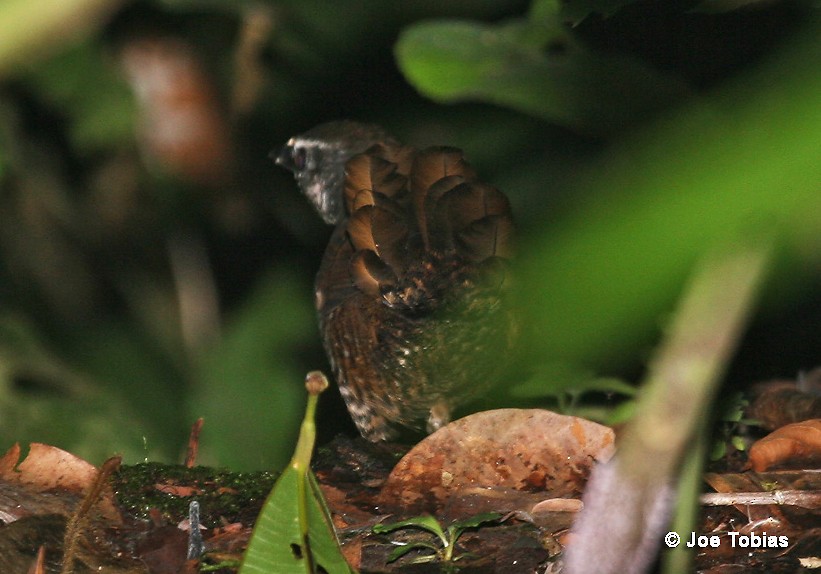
pixel 794 443
pixel 178 490
pixel 506 449
pixel 46 468
pixel 9 460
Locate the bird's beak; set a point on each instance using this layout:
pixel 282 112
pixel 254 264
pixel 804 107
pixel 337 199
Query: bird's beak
pixel 283 157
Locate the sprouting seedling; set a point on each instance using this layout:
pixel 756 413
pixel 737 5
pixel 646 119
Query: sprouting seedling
pixel 443 548
pixel 731 419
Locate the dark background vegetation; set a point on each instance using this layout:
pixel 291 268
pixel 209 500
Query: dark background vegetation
pixel 138 293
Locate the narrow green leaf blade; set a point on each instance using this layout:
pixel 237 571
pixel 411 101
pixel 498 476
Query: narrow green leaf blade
pixel 477 520
pixel 400 551
pixel 425 522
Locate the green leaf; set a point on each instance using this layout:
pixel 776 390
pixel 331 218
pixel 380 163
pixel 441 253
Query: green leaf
pixel 619 414
pixel 277 543
pixel 425 522
pixel 456 529
pixel 43 392
pixel 738 443
pixel 734 407
pixel 294 533
pixel 429 523
pixel 719 450
pixel 750 422
pixel 474 521
pixel 744 159
pixel 537 68
pixel 400 551
pixel 609 385
pixel 543 10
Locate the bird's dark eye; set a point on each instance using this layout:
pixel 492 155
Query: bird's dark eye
pixel 299 155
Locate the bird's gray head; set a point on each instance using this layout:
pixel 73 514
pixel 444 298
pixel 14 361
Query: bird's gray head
pixel 318 157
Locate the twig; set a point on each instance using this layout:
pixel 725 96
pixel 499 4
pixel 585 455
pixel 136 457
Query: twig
pixel 193 443
pixel 77 519
pixel 804 498
pixel 39 564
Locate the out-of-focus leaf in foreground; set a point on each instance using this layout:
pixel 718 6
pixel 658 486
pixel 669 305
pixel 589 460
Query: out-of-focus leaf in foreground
pixel 739 162
pixel 29 29
pixel 533 65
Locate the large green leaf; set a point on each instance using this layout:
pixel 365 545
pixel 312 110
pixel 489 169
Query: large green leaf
pixel 535 66
pixel 743 160
pixel 277 544
pixel 294 533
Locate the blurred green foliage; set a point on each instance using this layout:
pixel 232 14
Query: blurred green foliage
pixel 629 145
pixel 63 82
pixel 535 65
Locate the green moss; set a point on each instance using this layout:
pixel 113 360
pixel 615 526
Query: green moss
pixel 232 496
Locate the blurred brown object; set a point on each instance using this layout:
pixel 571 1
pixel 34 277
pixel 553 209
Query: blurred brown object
pixel 794 444
pixel 779 403
pixel 183 127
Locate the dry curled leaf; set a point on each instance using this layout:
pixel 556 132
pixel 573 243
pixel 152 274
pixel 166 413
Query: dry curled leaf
pixel 506 449
pixel 795 443
pixel 46 468
pixel 48 479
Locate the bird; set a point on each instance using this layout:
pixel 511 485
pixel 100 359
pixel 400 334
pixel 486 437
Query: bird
pixel 413 291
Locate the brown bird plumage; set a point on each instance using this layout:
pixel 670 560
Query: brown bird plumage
pixel 411 292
